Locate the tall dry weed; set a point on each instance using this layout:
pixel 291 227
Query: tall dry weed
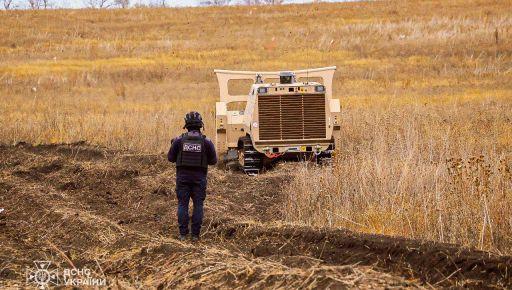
pixel 414 174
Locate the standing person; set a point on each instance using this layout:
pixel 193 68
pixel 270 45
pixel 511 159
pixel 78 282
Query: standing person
pixel 192 152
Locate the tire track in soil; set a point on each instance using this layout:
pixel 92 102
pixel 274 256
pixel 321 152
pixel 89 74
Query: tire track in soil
pixel 114 212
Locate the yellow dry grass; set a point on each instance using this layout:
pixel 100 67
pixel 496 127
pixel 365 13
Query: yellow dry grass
pixel 425 87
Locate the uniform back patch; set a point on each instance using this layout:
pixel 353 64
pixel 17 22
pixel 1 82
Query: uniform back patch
pixel 192 147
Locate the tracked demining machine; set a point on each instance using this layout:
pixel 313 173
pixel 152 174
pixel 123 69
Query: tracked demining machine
pixel 291 118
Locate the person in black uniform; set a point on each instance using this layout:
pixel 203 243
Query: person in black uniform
pixel 192 152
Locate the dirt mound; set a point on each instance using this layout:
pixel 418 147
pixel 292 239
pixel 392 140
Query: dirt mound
pixel 78 205
pixel 432 263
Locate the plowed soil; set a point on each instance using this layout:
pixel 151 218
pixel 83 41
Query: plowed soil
pixel 114 212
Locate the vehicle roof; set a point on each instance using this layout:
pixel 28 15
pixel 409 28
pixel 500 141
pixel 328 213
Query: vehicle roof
pixel 286 85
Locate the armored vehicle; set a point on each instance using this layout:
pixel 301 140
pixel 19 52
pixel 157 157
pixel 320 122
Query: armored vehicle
pixel 291 118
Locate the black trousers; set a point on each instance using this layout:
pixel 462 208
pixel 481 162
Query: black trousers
pixel 187 189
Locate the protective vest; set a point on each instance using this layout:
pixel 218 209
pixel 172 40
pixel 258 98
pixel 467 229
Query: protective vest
pixel 192 153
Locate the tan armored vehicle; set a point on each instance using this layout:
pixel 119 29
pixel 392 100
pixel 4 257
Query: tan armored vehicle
pixel 290 118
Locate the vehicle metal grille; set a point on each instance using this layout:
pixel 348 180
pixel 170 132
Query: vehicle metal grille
pixel 290 117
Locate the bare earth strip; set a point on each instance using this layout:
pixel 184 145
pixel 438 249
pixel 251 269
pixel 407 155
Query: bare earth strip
pixel 114 212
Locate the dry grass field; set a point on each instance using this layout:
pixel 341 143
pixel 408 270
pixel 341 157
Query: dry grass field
pixel 124 78
pixel 425 88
